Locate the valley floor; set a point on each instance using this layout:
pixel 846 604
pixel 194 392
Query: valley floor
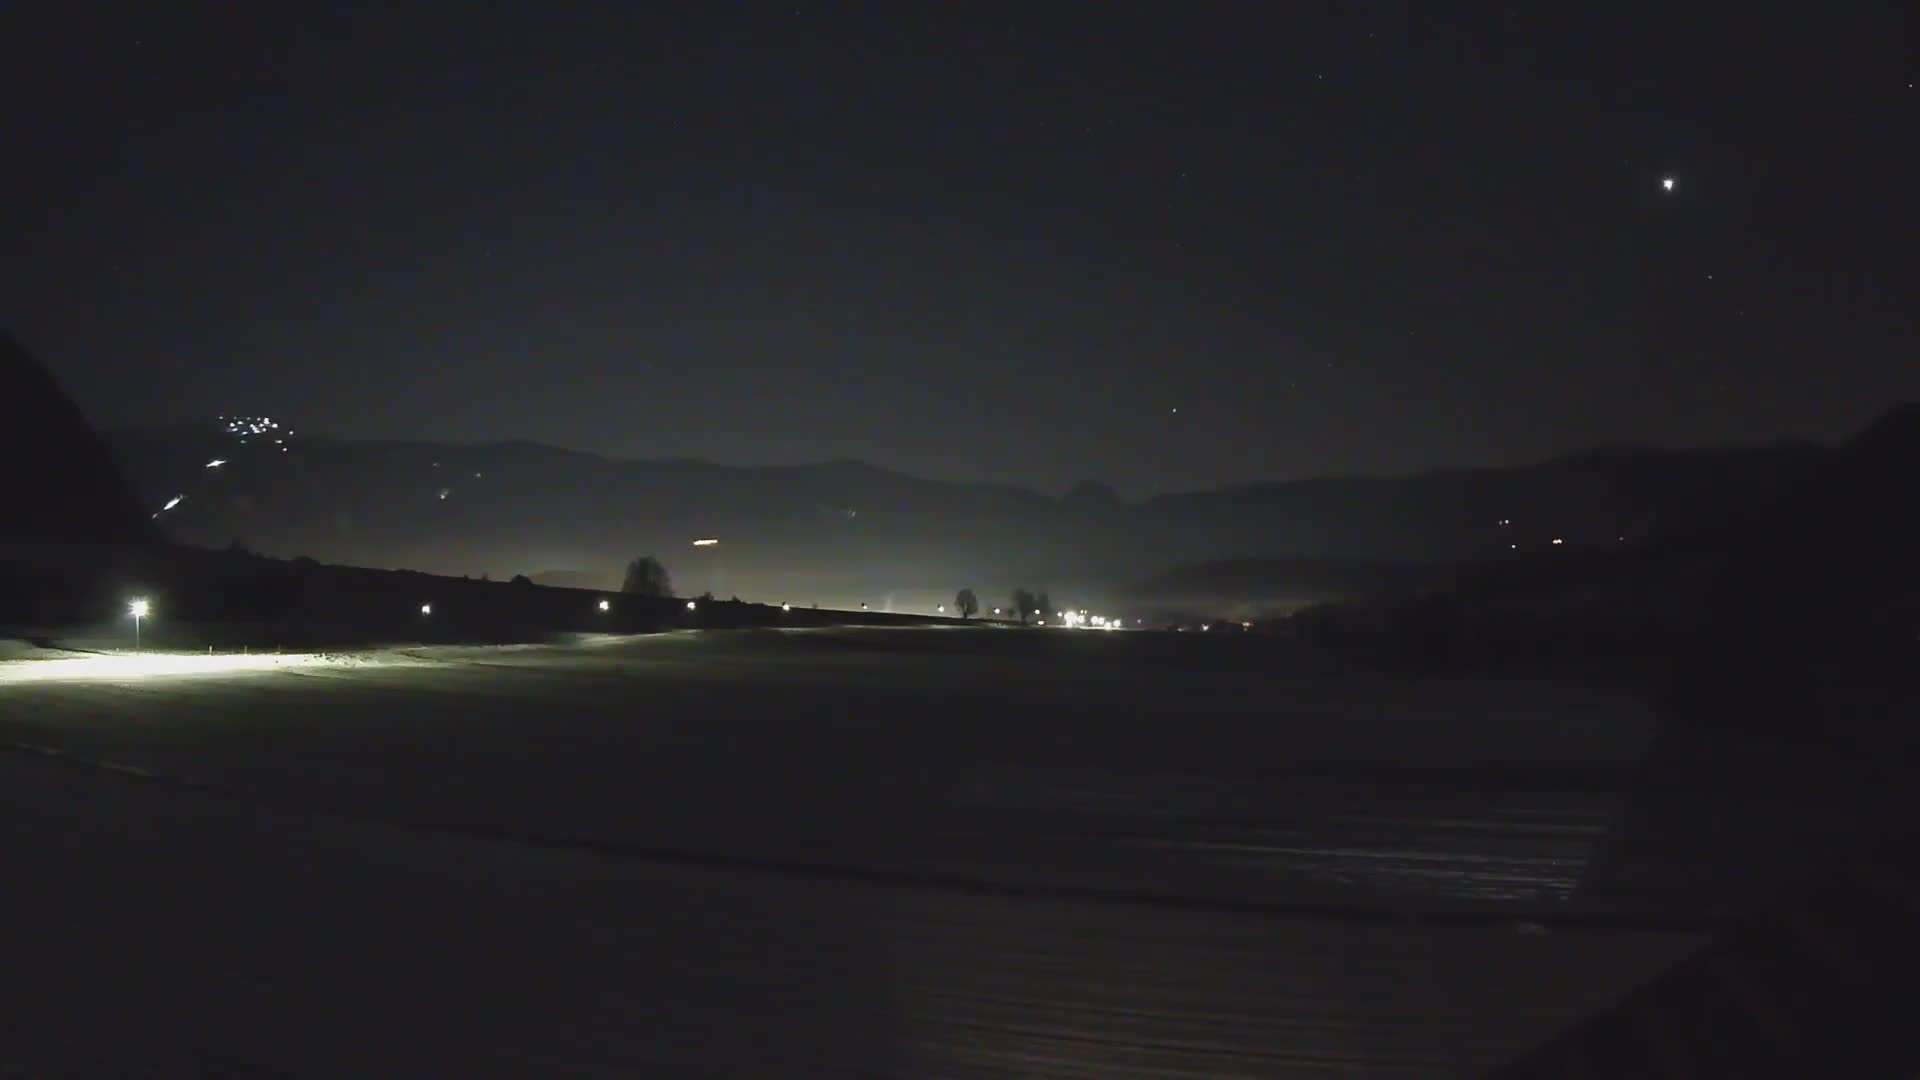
pixel 905 852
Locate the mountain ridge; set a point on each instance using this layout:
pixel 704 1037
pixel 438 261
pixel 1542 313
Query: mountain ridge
pixel 1604 453
pixel 854 532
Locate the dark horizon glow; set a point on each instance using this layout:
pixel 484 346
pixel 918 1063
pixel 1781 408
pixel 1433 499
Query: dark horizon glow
pixel 1161 249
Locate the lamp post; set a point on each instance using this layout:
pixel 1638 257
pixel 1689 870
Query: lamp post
pixel 138 609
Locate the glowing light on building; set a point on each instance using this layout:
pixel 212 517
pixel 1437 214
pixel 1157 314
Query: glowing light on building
pixel 245 426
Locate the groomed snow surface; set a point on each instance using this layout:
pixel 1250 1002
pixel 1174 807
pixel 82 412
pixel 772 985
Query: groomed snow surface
pixel 810 853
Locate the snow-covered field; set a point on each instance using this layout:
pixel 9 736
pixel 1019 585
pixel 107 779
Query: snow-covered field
pixel 933 852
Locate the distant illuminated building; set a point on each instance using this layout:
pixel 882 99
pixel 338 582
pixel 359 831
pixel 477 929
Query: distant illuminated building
pixel 245 426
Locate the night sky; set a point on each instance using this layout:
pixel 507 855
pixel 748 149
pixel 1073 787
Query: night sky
pixel 1163 246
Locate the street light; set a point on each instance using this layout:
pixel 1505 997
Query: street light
pixel 606 605
pixel 691 605
pixel 138 609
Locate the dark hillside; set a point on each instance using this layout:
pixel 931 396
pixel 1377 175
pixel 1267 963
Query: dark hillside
pixel 62 484
pixel 69 522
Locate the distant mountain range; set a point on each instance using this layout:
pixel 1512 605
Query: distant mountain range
pixel 846 532
pixel 1787 542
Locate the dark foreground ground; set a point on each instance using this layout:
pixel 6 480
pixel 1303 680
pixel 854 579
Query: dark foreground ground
pixel 825 853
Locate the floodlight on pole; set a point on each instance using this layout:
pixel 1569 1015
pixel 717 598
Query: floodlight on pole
pixel 138 609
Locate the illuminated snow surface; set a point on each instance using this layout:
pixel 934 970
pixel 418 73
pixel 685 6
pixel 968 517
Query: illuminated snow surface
pixel 141 666
pixel 894 852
